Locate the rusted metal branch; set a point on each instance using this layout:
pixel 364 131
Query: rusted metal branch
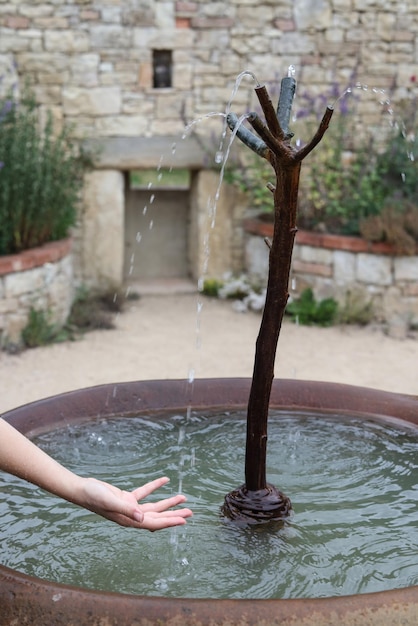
pixel 323 126
pixel 257 501
pixel 269 112
pixel 277 146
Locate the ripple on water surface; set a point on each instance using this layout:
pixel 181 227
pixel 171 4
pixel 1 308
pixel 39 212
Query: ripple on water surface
pixel 353 486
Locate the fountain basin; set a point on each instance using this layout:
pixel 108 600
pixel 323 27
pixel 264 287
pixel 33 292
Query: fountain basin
pixel 29 600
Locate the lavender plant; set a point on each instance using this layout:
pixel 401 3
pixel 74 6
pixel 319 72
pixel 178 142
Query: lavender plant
pixel 351 181
pixel 355 178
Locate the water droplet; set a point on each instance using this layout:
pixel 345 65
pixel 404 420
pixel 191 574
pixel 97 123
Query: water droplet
pixel 291 72
pixel 191 375
pixel 403 176
pixel 201 283
pixel 144 210
pixel 132 258
pixel 152 198
pixel 219 157
pixel 138 237
pixel 151 224
pixel 173 148
pixel 149 185
pixel 159 177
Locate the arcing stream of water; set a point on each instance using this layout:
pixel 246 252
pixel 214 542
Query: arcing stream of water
pixel 353 486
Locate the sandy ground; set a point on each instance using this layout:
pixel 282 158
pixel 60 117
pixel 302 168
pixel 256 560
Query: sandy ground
pixel 178 336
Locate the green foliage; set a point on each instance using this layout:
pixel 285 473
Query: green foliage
pixel 349 182
pixel 89 312
pixel 308 312
pixel 211 287
pixel 39 331
pixel 252 177
pixel 41 175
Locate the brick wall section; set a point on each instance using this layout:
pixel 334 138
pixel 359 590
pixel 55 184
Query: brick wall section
pixel 92 62
pixel 41 278
pixel 340 267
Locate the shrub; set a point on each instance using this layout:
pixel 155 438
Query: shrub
pixel 353 177
pixel 307 311
pixel 351 180
pixel 41 175
pixel 39 331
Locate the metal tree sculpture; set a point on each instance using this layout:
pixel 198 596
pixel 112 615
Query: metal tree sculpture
pixel 258 501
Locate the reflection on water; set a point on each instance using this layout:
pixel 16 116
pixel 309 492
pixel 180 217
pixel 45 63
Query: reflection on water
pixel 353 486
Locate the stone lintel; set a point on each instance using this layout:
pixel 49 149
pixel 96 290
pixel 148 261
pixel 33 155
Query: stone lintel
pixel 126 153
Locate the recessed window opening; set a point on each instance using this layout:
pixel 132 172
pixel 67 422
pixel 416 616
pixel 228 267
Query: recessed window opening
pixel 161 178
pixel 162 63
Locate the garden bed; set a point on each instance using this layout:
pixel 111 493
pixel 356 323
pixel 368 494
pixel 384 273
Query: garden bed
pixel 345 268
pixel 40 279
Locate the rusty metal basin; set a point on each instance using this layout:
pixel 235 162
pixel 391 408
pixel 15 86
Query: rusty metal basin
pixel 25 600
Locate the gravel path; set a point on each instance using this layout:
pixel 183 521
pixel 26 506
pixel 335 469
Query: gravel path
pixel 170 337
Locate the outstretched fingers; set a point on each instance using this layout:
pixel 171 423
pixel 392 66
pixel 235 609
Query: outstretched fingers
pixel 163 505
pixel 158 521
pixel 148 488
pixel 158 515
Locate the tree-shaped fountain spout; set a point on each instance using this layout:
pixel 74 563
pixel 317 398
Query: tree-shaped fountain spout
pixel 258 501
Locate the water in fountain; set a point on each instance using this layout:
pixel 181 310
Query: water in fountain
pixel 353 486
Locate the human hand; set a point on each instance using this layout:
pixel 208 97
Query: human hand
pixel 122 506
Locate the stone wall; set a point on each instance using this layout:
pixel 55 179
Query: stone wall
pixel 351 270
pixel 92 62
pixel 40 278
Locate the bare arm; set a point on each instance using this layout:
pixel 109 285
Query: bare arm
pixel 21 457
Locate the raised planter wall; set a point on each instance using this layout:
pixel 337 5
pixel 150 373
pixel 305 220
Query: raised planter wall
pixel 336 266
pixel 40 278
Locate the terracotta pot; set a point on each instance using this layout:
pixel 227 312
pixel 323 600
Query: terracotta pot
pixel 27 600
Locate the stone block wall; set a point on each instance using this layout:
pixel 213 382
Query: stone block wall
pixel 92 62
pixel 40 278
pixel 347 268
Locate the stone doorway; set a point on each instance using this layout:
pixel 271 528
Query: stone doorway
pixel 106 249
pixel 157 233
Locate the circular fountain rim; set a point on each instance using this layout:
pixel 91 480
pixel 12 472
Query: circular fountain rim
pixel 22 595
